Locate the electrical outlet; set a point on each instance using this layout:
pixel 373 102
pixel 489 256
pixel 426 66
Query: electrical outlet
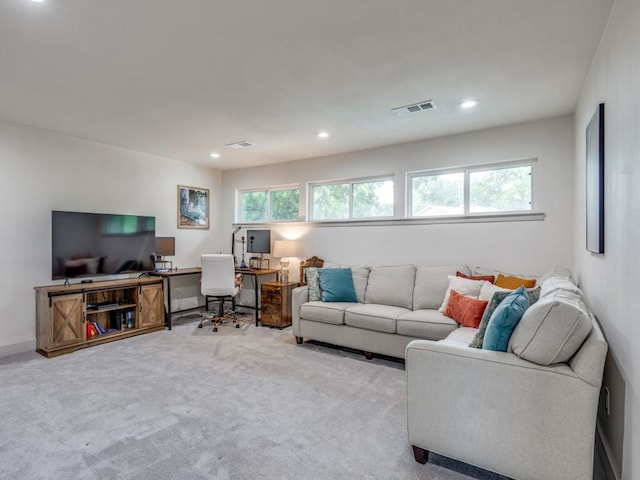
pixel 607 401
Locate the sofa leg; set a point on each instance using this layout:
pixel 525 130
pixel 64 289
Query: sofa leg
pixel 368 355
pixel 420 454
pixel 299 340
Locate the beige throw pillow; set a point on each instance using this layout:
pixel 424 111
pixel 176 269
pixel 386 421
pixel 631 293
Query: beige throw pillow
pixel 463 286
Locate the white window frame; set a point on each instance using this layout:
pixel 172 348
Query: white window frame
pixel 268 190
pixel 350 182
pixel 531 162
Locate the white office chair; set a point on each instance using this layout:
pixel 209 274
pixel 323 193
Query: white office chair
pixel 220 283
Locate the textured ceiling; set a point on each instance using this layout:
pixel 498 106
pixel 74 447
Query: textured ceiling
pixel 182 79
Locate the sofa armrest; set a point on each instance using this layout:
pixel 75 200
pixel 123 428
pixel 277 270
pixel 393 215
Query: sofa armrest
pixel 499 412
pixel 299 297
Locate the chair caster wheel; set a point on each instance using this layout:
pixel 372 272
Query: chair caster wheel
pixel 215 329
pixel 237 325
pixel 200 326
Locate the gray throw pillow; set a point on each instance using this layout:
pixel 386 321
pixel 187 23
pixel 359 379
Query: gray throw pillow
pixel 313 283
pixel 534 295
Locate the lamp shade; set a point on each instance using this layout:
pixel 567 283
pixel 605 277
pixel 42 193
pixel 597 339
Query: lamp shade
pixel 165 246
pixel 285 248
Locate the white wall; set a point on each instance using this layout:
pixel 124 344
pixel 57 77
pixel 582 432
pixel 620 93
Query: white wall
pixel 609 280
pixel 44 171
pixel 522 247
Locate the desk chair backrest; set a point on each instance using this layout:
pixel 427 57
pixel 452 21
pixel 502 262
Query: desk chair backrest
pixel 218 275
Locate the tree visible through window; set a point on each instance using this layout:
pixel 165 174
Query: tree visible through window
pixel 441 194
pixel 285 204
pixel 268 205
pixel 506 188
pixel 500 190
pixel 254 206
pixel 352 199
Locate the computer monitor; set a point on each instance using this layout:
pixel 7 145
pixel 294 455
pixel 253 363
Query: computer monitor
pixel 258 241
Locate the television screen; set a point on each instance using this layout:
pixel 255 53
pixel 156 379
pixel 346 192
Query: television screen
pixel 94 244
pixel 258 241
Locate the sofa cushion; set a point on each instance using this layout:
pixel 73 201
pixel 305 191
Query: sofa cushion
pixel 431 284
pixel 504 319
pixel 557 271
pixel 337 285
pixel 391 286
pixel 429 324
pixel 381 318
pixel 460 336
pixel 556 284
pixel 332 313
pixel 498 296
pixel 360 277
pixel 465 310
pixel 552 330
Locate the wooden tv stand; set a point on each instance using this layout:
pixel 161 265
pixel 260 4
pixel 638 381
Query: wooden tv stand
pixel 63 313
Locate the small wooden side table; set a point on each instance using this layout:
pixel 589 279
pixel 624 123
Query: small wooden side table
pixel 276 303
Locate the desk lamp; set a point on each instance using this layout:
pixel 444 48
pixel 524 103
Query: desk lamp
pixel 284 249
pixel 165 246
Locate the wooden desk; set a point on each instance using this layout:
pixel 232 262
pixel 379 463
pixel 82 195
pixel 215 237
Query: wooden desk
pixel 256 273
pixel 252 272
pixel 168 275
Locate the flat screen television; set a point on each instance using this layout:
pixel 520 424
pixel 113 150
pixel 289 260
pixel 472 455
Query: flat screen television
pixel 258 241
pixel 96 244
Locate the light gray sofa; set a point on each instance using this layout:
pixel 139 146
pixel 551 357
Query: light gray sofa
pixel 396 304
pixel 528 413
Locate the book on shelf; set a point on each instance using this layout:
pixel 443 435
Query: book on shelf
pixel 92 331
pixel 99 327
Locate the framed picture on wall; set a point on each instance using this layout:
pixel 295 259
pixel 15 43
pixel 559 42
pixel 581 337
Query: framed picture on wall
pixel 595 181
pixel 193 207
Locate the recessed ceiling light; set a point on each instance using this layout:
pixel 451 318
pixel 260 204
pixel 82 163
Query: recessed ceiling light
pixel 214 155
pixel 469 103
pixel 322 135
pixel 37 1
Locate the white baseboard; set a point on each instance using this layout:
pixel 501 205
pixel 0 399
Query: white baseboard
pixel 611 466
pixel 15 348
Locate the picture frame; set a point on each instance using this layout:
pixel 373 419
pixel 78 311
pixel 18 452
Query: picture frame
pixel 193 207
pixel 595 182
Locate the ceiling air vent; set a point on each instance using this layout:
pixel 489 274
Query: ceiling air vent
pixel 415 107
pixel 242 144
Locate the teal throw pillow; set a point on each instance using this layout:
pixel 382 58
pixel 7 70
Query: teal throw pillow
pixel 336 285
pixel 498 297
pixel 504 320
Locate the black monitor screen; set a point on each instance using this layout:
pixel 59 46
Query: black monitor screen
pixel 94 244
pixel 259 241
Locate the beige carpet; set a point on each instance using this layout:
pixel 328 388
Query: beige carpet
pixel 188 403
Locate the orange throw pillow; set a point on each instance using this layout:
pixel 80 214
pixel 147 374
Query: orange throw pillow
pixel 510 282
pixel 488 278
pixel 465 310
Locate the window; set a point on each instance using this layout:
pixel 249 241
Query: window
pixel 486 189
pixel 267 205
pixel 351 199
